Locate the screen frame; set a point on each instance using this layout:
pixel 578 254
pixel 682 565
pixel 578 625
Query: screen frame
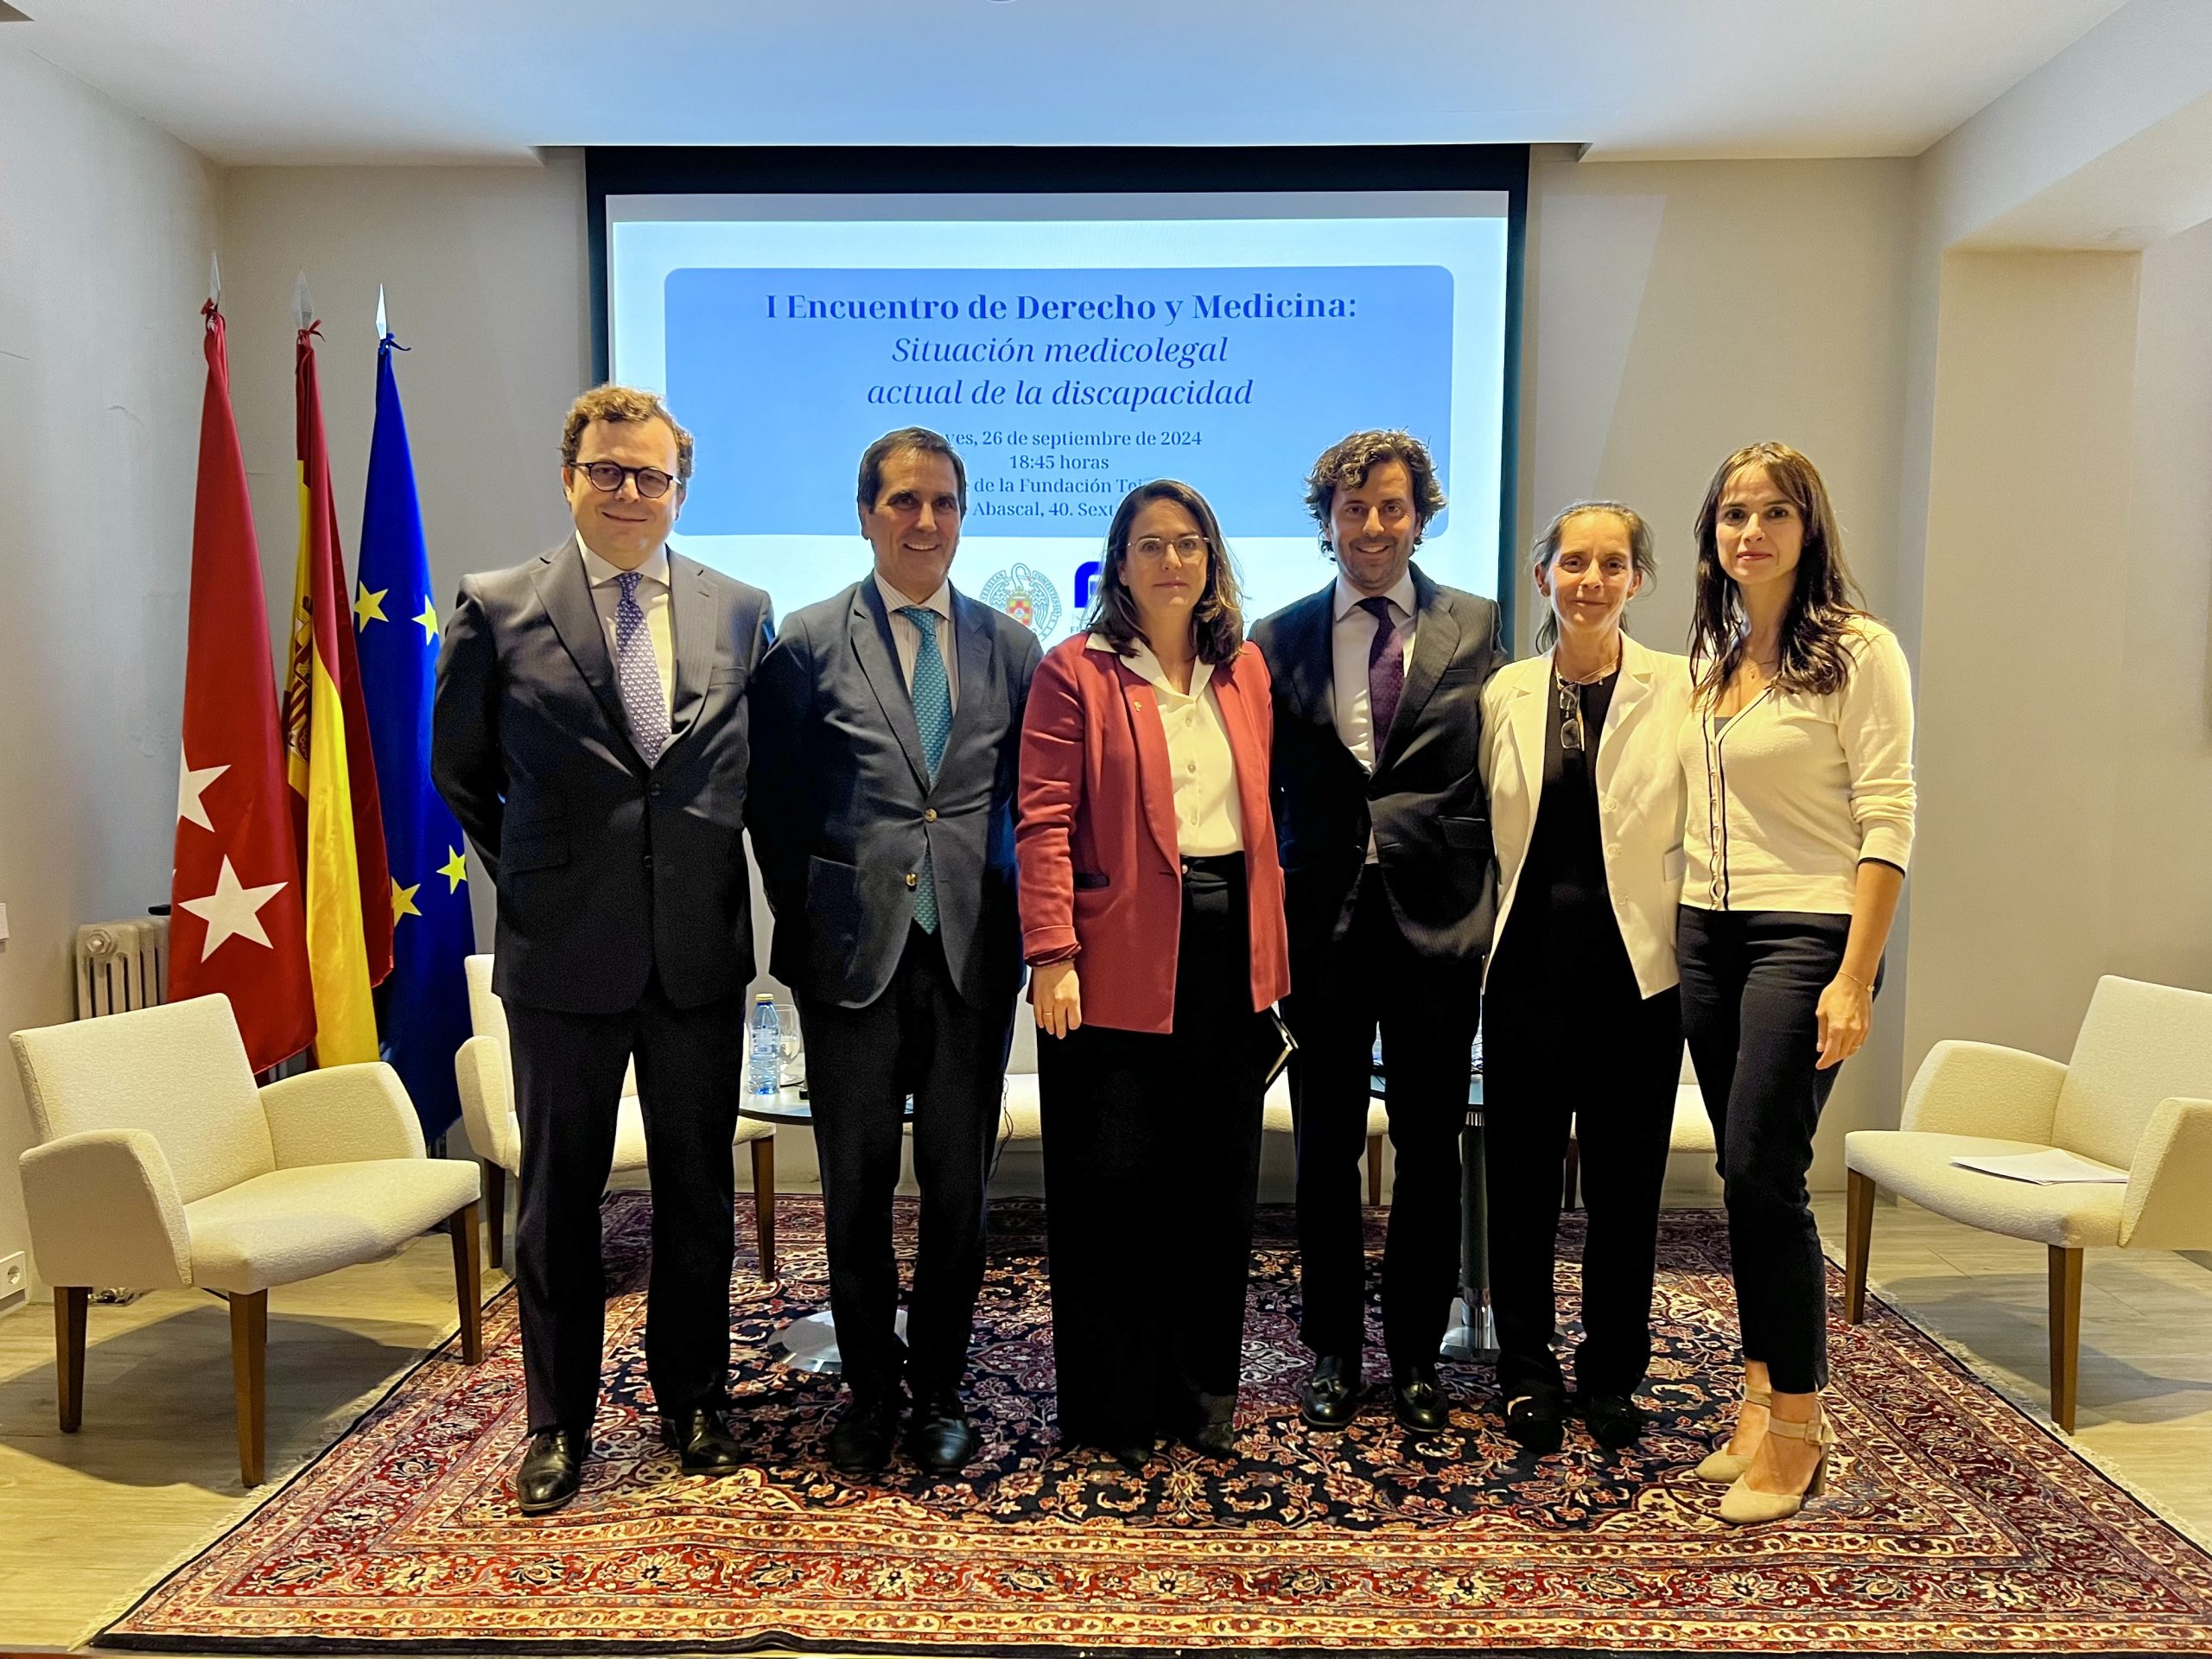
pixel 1048 169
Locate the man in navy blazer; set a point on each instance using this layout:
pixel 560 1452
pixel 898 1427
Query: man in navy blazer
pixel 888 727
pixel 1390 893
pixel 589 731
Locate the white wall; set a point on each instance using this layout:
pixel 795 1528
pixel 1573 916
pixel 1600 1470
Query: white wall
pixel 485 281
pixel 2160 887
pixel 2055 546
pixel 105 227
pixel 2022 626
pixel 1680 310
pixel 2064 749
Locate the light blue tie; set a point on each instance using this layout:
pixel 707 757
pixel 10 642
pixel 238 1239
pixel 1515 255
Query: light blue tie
pixel 933 714
pixel 643 699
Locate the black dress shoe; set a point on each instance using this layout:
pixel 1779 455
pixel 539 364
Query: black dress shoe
pixel 1331 1397
pixel 1537 1421
pixel 702 1440
pixel 552 1469
pixel 861 1444
pixel 1418 1398
pixel 1615 1420
pixel 939 1436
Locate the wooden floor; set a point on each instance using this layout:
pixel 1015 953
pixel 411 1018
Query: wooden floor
pixel 88 1520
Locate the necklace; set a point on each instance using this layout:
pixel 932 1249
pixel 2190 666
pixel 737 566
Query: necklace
pixel 1564 678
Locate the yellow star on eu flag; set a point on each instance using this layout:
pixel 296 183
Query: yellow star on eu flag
pixel 428 620
pixel 403 900
pixel 369 606
pixel 455 870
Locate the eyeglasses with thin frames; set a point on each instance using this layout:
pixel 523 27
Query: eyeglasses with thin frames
pixel 608 476
pixel 1187 548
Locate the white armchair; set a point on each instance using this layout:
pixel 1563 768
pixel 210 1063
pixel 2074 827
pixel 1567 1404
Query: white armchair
pixel 158 1163
pixel 2137 1095
pixel 485 1075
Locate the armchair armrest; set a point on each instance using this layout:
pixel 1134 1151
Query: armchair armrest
pixel 2005 1094
pixel 348 1114
pixel 104 1211
pixel 2168 1205
pixel 487 1104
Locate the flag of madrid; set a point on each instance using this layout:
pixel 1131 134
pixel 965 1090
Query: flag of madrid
pixel 238 924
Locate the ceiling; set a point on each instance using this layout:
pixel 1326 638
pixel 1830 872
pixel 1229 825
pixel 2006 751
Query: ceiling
pixel 301 81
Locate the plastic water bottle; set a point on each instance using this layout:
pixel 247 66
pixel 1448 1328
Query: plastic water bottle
pixel 764 1052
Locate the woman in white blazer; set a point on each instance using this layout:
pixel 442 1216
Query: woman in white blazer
pixel 1581 1019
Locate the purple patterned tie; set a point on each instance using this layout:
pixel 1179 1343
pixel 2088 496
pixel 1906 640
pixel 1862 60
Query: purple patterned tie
pixel 1386 672
pixel 636 673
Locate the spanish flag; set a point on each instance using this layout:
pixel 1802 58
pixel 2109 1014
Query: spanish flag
pixel 327 763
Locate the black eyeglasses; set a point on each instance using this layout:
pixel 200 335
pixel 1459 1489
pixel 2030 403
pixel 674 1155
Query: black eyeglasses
pixel 1570 717
pixel 651 482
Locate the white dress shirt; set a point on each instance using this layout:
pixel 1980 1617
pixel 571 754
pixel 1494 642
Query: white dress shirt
pixel 1350 639
pixel 908 637
pixel 1209 821
pixel 652 600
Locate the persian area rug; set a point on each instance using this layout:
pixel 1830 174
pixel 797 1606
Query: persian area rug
pixel 1953 1524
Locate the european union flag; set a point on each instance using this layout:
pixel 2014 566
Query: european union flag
pixel 424 1005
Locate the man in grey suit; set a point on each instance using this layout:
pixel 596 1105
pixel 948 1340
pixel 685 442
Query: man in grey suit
pixel 889 724
pixel 590 735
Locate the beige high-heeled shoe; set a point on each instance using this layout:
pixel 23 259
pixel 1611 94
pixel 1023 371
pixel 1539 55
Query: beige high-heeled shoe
pixel 1721 1466
pixel 1743 1506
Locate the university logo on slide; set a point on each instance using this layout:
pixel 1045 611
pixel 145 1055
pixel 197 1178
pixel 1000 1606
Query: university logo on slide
pixel 1027 597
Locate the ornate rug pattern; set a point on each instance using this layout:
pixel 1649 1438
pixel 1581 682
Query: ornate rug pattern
pixel 1953 1524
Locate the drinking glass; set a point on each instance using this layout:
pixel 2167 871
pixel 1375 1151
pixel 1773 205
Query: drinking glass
pixel 789 1074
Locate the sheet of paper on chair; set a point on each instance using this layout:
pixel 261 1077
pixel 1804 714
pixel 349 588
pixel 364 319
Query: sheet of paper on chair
pixel 2051 1168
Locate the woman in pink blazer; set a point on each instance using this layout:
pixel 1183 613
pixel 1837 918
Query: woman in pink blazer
pixel 1152 918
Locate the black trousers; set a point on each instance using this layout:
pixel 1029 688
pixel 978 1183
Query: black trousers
pixel 1152 1174
pixel 1751 979
pixel 1426 1012
pixel 920 1037
pixel 1596 1056
pixel 568 1070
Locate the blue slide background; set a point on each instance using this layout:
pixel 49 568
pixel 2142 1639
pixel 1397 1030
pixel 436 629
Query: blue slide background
pixel 781 406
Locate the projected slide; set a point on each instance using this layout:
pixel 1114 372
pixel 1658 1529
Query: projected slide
pixel 1069 359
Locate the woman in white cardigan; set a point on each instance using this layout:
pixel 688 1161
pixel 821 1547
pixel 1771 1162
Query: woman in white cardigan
pixel 1581 1020
pixel 1799 759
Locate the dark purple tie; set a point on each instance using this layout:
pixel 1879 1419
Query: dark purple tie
pixel 1386 671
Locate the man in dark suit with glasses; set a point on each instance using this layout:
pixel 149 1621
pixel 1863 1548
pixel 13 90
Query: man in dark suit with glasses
pixel 590 734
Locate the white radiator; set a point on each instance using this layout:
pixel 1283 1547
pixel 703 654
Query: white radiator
pixel 122 965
